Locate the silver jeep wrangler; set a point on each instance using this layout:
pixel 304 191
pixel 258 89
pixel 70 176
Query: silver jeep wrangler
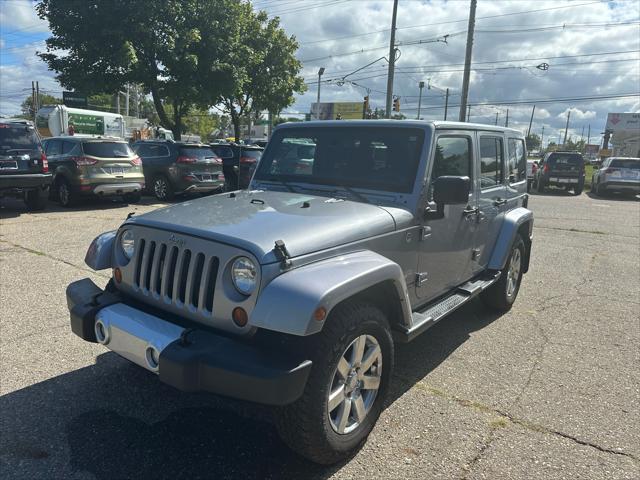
pixel 352 236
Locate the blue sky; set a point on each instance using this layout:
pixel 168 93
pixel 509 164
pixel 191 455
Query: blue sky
pixel 576 38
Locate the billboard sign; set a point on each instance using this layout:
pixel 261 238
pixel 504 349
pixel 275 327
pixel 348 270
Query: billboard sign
pixel 337 111
pixel 87 124
pixel 73 99
pixel 625 133
pixel 591 150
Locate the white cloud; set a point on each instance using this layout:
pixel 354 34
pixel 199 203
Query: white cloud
pixel 577 114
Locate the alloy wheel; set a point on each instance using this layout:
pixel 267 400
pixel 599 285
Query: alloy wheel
pixel 160 188
pixel 355 384
pixel 513 274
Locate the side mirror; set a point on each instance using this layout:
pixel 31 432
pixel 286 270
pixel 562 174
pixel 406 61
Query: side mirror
pixel 450 190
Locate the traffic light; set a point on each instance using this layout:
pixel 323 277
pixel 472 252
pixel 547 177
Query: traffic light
pixel 365 107
pixel 396 104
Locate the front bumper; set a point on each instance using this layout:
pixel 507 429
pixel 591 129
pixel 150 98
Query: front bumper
pixel 185 358
pixel 26 181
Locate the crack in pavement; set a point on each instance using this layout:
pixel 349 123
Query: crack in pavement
pixel 531 426
pixel 593 232
pixel 51 257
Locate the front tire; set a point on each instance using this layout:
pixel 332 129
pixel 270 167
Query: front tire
pixel 162 188
pixel 352 365
pixel 66 196
pixel 501 295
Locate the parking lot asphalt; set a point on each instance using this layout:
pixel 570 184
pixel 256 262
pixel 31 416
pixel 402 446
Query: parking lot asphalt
pixel 549 390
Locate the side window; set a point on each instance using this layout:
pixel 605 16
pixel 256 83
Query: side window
pixel 54 147
pixel 517 168
pixel 142 150
pixel 453 157
pixel 70 148
pixel 491 161
pixel 157 151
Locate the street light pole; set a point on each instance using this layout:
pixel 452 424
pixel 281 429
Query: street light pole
pixel 421 86
pixel 467 60
pixel 320 72
pixel 566 127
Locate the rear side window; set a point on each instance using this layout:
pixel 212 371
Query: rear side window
pixel 631 163
pixel 197 152
pixel 16 138
pixel 148 151
pixel 107 149
pixel 491 161
pixel 251 154
pixel 517 166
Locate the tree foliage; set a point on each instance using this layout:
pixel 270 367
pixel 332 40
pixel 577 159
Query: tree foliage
pixel 27 105
pixel 533 141
pixel 188 54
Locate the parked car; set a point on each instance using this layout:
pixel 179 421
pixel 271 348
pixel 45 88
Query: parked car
pixel 532 168
pixel 24 169
pixel 294 292
pixel 93 167
pixel 239 163
pixel 177 168
pixel 617 174
pixel 561 169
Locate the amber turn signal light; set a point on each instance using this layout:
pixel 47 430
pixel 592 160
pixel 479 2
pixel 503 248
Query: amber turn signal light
pixel 240 316
pixel 320 314
pixel 117 274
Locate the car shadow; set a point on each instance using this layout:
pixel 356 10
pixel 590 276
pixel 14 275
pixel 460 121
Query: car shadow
pixel 552 192
pixel 614 196
pixel 116 420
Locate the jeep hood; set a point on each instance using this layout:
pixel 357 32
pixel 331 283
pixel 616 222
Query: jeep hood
pixel 254 221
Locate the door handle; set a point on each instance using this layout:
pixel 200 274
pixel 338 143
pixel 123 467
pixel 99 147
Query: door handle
pixel 499 201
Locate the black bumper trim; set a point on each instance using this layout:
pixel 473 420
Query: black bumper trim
pixel 24 181
pixel 206 361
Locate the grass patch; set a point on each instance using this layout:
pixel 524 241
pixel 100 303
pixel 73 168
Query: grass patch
pixel 588 174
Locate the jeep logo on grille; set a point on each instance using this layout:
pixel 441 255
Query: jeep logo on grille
pixel 177 240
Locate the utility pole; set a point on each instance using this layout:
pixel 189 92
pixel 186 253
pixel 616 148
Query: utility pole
pixel 468 112
pixel 118 101
pixel 37 95
pixel 506 122
pixel 421 86
pixel 566 128
pixel 582 134
pixel 33 99
pixel 137 93
pixel 496 118
pixel 126 101
pixel 589 135
pixel 446 103
pixel 542 139
pixel 467 60
pixel 531 120
pixel 392 59
pixel 320 72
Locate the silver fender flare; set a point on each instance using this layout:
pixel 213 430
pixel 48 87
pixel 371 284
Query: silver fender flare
pixel 100 253
pixel 513 220
pixel 287 304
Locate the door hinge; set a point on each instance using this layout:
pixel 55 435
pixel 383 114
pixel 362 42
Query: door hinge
pixel 425 232
pixel 475 254
pixel 421 278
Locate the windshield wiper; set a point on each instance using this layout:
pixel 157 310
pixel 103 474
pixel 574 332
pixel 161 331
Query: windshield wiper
pixel 353 193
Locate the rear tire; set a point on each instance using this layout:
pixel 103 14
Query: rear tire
pixel 162 188
pixel 66 196
pixel 578 190
pixel 36 199
pixel 501 295
pixel 336 413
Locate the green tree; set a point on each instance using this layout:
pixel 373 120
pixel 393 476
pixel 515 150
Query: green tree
pixel 27 105
pixel 279 120
pixel 202 123
pixel 180 51
pixel 533 141
pixel 265 68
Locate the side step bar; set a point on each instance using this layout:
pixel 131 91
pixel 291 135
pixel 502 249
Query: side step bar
pixel 433 312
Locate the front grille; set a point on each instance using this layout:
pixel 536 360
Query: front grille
pixel 176 275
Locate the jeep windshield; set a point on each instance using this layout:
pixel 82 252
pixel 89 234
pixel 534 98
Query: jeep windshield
pixel 372 158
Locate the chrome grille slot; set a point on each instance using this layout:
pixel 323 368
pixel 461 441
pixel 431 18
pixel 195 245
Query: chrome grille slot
pixel 181 284
pixel 136 280
pixel 196 278
pixel 169 273
pixel 147 265
pixel 156 271
pixel 210 284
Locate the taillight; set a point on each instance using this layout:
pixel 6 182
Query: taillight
pixel 45 163
pixel 546 168
pixel 534 168
pixel 136 161
pixel 247 160
pixel 84 161
pixel 185 159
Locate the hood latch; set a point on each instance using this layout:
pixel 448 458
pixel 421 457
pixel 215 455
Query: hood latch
pixel 282 254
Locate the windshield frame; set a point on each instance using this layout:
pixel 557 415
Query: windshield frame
pixel 331 185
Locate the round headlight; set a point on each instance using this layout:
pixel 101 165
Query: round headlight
pixel 244 275
pixel 127 243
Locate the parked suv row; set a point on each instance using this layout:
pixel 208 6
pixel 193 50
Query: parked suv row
pixel 24 170
pixel 617 174
pixel 239 163
pixel 172 168
pixel 561 169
